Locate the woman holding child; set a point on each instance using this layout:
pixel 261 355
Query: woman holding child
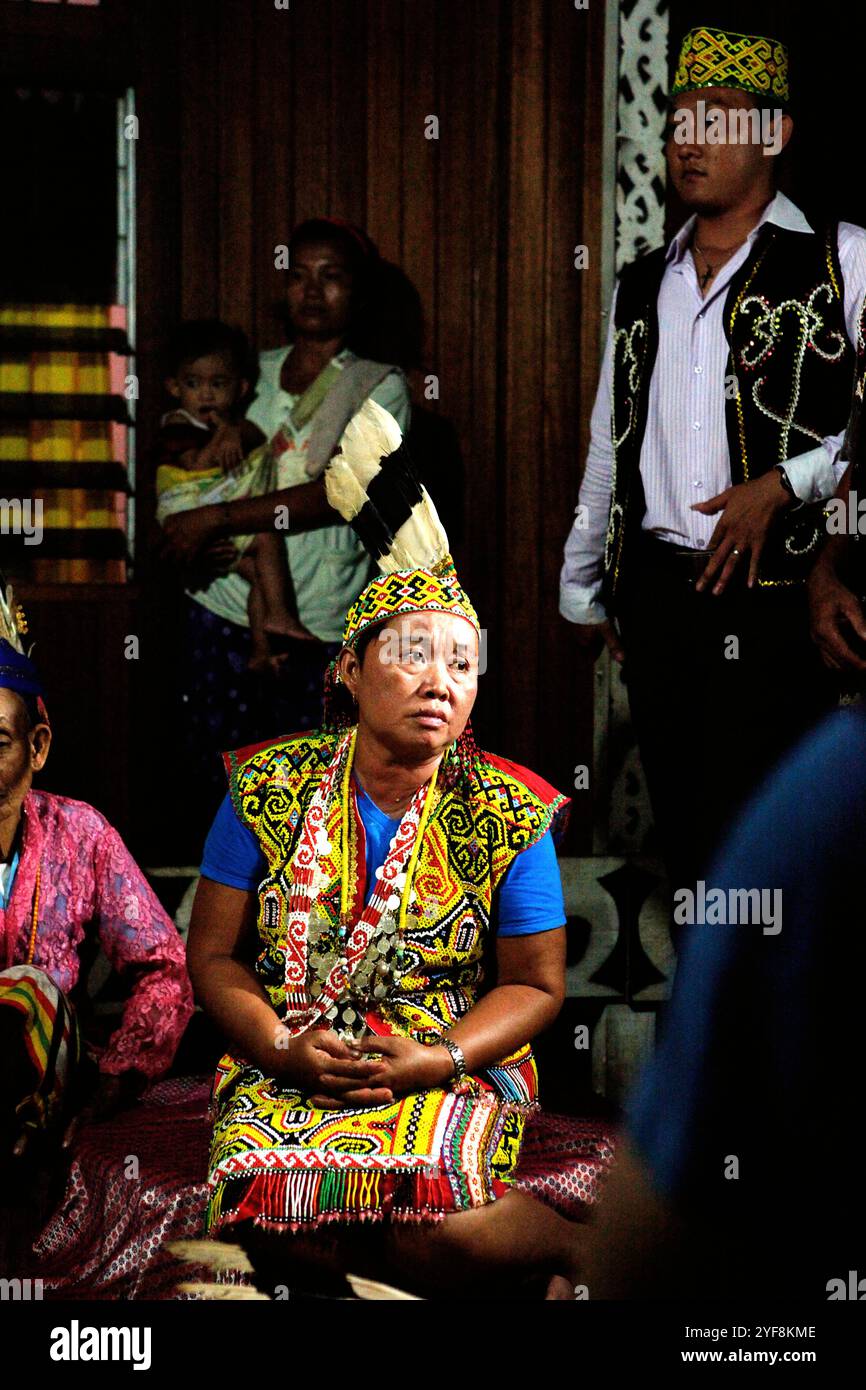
pixel 305 394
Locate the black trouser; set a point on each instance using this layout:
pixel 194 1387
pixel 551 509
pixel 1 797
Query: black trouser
pixel 719 688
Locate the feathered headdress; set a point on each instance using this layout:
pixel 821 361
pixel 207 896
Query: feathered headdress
pixel 372 484
pixel 17 671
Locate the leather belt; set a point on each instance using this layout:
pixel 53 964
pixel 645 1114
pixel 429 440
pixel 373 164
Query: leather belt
pixel 677 561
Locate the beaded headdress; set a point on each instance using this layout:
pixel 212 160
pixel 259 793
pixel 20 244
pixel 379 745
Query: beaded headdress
pixel 719 58
pixel 372 484
pixel 408 591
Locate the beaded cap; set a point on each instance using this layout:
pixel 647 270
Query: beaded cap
pixel 718 58
pixel 436 590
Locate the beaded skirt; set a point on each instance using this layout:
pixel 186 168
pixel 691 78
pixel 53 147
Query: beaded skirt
pixel 285 1165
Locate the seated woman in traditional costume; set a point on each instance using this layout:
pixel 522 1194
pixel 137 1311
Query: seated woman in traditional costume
pixel 410 944
pixel 66 882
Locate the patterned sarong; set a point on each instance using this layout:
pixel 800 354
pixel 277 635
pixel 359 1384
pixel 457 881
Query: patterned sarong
pixel 41 1046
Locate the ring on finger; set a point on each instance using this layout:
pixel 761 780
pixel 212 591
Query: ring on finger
pixel 736 550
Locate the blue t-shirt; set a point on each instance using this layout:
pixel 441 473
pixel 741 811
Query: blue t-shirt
pixel 530 893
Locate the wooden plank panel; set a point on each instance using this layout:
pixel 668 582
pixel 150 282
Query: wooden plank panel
pixel 348 75
pixel 563 714
pixel 523 371
pixel 384 134
pixel 456 239
pixel 273 165
pixel 258 117
pixel 420 158
pixel 162 63
pixel 198 162
pixel 594 175
pixel 480 194
pixel 158 223
pixel 236 79
pixel 313 117
pixel 591 153
pixel 462 233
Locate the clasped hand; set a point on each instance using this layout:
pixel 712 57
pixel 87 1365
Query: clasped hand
pixel 336 1075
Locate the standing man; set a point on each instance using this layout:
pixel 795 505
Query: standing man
pixel 723 398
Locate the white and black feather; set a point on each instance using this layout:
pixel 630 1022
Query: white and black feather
pixel 372 484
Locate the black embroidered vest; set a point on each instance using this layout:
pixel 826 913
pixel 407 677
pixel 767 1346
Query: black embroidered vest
pixel 784 321
pixel 854 451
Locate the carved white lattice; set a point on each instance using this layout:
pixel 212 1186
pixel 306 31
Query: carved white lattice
pixel 623 822
pixel 641 114
pixel 625 933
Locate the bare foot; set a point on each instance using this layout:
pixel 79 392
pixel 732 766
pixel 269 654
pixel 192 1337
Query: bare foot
pixel 560 1288
pixel 287 625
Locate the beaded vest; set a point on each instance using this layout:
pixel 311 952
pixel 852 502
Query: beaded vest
pixel 468 844
pixel 784 321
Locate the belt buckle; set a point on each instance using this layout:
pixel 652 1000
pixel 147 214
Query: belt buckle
pixel 697 561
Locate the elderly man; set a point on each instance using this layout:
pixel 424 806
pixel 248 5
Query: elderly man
pixel 724 394
pixel 66 878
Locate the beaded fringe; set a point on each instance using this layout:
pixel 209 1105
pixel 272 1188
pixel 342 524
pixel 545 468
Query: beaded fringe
pixel 301 1200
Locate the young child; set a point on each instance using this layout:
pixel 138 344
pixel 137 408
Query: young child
pixel 209 453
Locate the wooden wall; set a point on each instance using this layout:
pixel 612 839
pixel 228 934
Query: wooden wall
pixel 253 117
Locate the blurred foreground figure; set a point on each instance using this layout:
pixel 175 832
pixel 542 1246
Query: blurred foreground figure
pixel 742 1177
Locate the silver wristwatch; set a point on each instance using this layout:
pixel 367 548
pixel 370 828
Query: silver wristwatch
pixel 457 1058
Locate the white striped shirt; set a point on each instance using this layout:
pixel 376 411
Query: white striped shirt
pixel 684 457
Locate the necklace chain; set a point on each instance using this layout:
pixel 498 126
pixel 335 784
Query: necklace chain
pixel 711 269
pixel 347 857
pixel 720 250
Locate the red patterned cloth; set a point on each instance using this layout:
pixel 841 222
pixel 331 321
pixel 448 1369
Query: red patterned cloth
pixel 564 1161
pixel 89 880
pixel 107 1238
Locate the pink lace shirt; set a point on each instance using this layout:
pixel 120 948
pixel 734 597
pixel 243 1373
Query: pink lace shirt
pixel 89 881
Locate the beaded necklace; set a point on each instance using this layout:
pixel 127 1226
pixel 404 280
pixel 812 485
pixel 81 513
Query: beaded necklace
pixel 34 920
pixel 347 857
pixel 364 944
